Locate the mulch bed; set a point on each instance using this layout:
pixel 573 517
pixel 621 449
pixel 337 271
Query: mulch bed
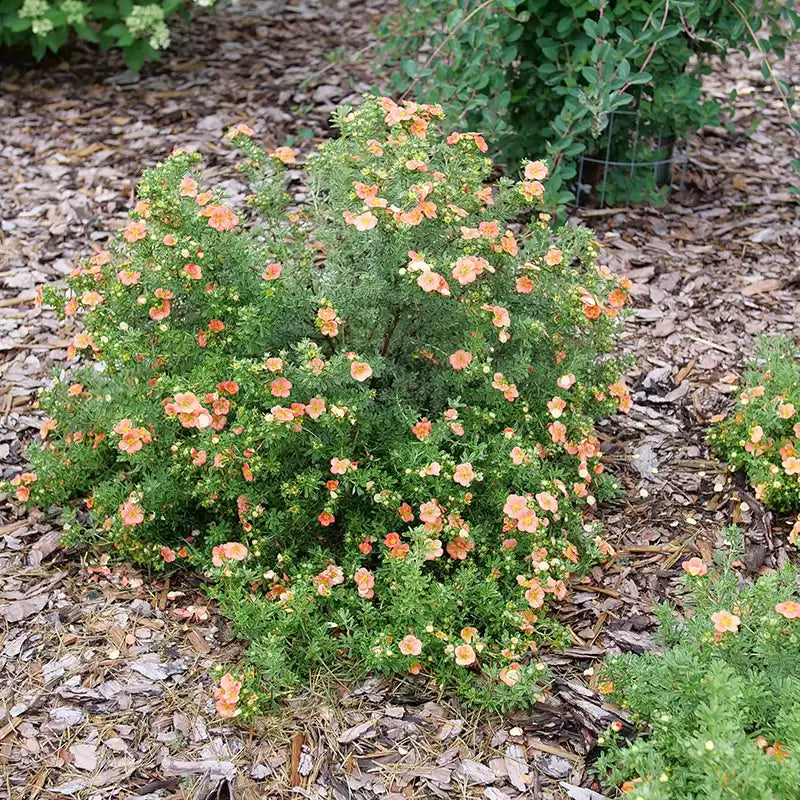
pixel 104 672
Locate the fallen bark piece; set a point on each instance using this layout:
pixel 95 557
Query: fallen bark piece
pixel 211 767
pixel 474 773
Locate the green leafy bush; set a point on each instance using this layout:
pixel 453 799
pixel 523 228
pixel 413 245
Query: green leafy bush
pixel 544 76
pixel 761 436
pixel 370 423
pixel 718 707
pixel 139 29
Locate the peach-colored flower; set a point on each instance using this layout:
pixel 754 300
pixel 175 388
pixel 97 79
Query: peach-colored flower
pixel 532 190
pixel 234 551
pixel 410 645
pixel 547 502
pixel 553 256
pixel 365 221
pixel 791 465
pixel 220 217
pixel 469 633
pixel 515 506
pixel 535 594
pixel 339 466
pixel 566 381
pixel 284 155
pixel 186 403
pixel 510 675
pixel 188 186
pixel 193 271
pixel 556 407
pixel 281 387
pixel 360 371
pixel 365 581
pixel 524 284
pixel 272 272
pixel 461 359
pixel 315 407
pixel 131 514
pixel 695 566
pixel 429 281
pixel 528 521
pixel 464 474
pixel 239 129
pixel 168 555
pixel 789 609
pixel 725 621
pixel 536 170
pixel 128 277
pixel 464 655
pixel 134 231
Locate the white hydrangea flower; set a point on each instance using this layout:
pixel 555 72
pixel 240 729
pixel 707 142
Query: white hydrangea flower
pixel 34 8
pixel 74 11
pixel 41 27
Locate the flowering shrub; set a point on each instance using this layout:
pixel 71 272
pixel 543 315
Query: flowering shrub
pixel 718 707
pixel 140 29
pixel 762 434
pixel 369 423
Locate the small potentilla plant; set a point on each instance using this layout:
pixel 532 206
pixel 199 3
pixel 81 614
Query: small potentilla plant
pixel 761 436
pixel 370 422
pixel 718 706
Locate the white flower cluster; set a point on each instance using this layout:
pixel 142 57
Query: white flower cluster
pixel 144 20
pixel 149 19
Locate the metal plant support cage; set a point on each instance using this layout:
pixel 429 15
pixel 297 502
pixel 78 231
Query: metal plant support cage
pixel 663 170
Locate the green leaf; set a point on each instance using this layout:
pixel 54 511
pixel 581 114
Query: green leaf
pixel 135 55
pixel 454 17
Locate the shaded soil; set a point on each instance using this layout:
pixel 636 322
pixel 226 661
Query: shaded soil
pixel 104 673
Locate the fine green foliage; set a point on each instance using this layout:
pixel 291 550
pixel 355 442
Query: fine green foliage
pixel 369 424
pixel 761 436
pixel 544 76
pixel 718 707
pixel 139 29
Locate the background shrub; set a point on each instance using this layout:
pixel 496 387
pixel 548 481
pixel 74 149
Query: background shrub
pixel 761 436
pixel 543 76
pixel 718 707
pixel 139 29
pixel 370 423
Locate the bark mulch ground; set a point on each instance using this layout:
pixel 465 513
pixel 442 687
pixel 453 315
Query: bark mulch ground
pixel 104 673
